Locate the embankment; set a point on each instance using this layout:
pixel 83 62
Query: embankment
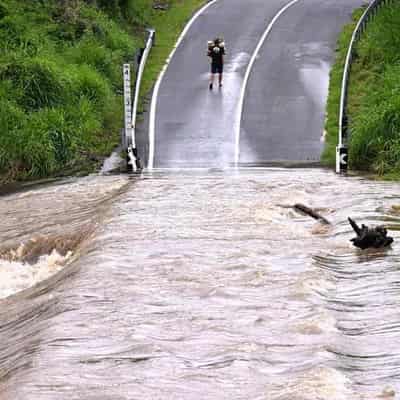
pixel 374 96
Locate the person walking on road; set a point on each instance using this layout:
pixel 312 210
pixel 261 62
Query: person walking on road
pixel 216 52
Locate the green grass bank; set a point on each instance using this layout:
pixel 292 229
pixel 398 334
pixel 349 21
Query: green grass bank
pixel 374 96
pixel 61 105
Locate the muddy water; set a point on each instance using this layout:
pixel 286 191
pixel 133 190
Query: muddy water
pixel 200 285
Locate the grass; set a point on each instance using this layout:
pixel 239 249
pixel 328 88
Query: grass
pixel 374 99
pixel 335 85
pixel 60 79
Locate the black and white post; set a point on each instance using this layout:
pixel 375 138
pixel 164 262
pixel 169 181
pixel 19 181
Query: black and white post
pixel 341 159
pixel 130 142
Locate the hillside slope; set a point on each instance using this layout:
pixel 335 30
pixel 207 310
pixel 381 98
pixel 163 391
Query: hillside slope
pixel 374 96
pixel 61 81
pixel 60 65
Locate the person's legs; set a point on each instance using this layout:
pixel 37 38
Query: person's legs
pixel 220 72
pixel 214 70
pixel 211 80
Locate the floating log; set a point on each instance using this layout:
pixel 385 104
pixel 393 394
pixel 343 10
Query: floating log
pixel 312 213
pixel 375 237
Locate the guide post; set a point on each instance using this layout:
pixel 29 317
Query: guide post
pixel 130 144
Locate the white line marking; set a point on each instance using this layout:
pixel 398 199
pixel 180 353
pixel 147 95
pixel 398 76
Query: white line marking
pixel 153 107
pixel 246 78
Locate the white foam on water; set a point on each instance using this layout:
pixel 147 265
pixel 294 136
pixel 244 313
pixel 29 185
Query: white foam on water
pixel 16 276
pixel 111 162
pixel 322 383
pixel 387 393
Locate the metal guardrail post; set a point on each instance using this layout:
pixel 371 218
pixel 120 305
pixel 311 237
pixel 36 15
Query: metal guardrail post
pixel 133 159
pixel 342 147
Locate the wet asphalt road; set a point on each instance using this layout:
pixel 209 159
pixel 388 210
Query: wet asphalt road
pixel 283 114
pixel 284 109
pixel 195 127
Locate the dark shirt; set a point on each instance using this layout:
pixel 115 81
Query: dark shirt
pixel 217 54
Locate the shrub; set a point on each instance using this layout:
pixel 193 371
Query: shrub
pixel 137 11
pixel 375 130
pixel 374 95
pixel 40 80
pixel 107 31
pixel 12 124
pixel 96 55
pixel 88 83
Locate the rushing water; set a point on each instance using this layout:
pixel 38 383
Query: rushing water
pixel 199 285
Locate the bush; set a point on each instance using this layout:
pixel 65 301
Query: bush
pixel 25 32
pixel 40 81
pixel 106 30
pixel 381 43
pixel 88 83
pixel 12 125
pixel 96 55
pixel 374 95
pixel 137 11
pixel 375 130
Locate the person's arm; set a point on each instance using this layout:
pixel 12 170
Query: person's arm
pixel 209 49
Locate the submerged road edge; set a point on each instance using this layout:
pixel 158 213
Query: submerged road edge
pixel 237 126
pixel 153 106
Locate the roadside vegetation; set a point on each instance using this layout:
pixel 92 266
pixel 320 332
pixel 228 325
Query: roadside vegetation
pixel 61 81
pixel 374 96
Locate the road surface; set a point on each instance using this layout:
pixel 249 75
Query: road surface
pixel 284 101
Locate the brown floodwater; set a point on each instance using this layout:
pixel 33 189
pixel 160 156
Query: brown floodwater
pixel 199 284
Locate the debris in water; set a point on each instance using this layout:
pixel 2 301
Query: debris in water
pixel 387 393
pixel 312 213
pixel 375 237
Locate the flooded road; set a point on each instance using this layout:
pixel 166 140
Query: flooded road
pixel 201 284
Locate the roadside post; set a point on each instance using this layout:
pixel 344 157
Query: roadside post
pixel 131 107
pixel 129 138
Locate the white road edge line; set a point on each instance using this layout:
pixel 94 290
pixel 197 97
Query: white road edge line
pixel 246 78
pixel 153 107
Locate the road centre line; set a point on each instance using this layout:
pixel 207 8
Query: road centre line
pixel 247 75
pixel 153 106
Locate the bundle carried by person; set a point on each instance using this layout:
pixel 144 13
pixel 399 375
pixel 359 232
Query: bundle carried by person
pixel 216 46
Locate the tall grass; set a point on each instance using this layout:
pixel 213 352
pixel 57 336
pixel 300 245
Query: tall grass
pixel 375 110
pixel 335 85
pixel 374 96
pixel 60 83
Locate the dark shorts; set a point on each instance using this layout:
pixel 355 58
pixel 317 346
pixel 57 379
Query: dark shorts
pixel 217 68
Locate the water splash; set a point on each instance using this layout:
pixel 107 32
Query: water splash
pixel 16 276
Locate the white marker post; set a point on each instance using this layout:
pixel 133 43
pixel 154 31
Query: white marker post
pixel 129 138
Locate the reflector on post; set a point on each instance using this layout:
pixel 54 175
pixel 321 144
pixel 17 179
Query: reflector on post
pixel 341 159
